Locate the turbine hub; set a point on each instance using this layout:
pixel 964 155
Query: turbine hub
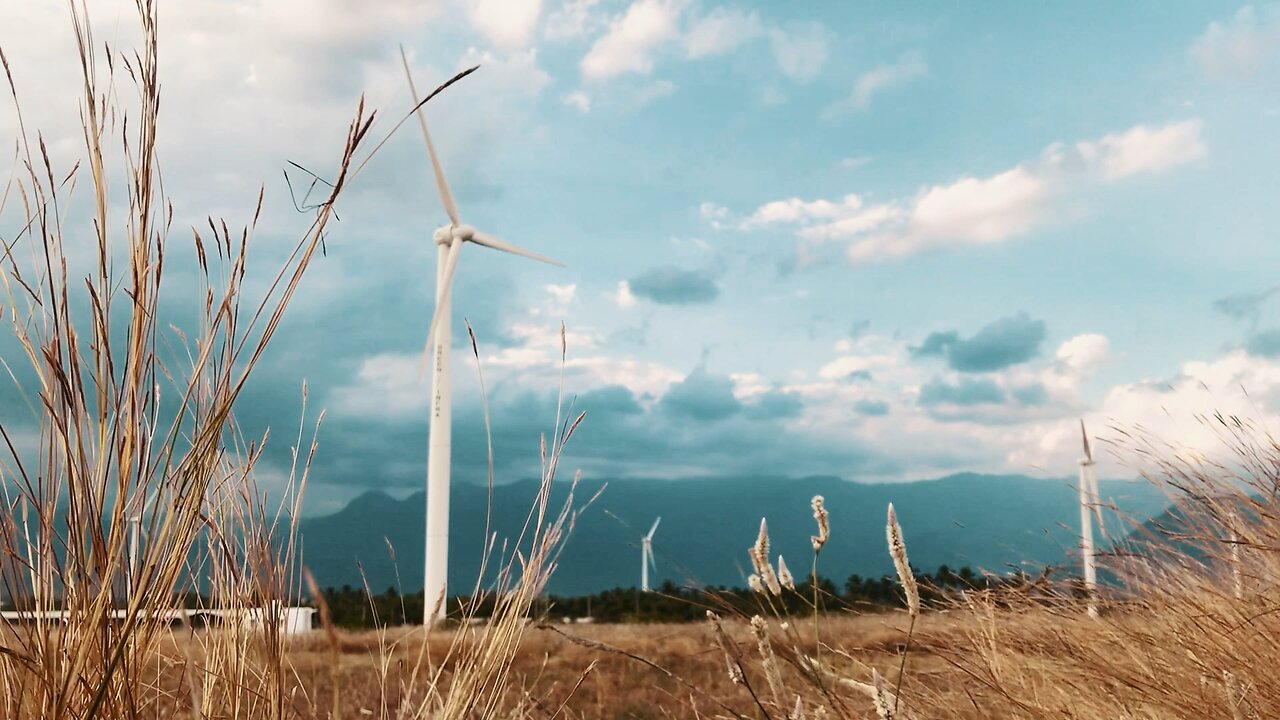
pixel 443 236
pixel 462 232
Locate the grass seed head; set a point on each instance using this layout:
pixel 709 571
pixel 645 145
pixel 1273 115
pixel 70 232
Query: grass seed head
pixel 824 525
pixel 784 575
pixel 883 699
pixel 898 551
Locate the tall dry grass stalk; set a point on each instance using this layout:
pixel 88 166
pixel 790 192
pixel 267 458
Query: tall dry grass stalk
pixel 131 421
pixel 120 429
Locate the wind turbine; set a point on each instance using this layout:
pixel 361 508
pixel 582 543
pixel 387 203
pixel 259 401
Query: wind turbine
pixel 449 240
pixel 132 550
pixel 1088 509
pixel 646 556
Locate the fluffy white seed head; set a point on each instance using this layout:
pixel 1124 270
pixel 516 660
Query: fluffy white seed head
pixel 797 711
pixel 824 525
pixel 770 579
pixel 767 658
pixel 784 575
pixel 898 551
pixel 753 581
pixel 735 671
pixel 883 699
pixel 760 551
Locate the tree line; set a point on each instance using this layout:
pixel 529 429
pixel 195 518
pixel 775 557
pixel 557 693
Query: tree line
pixel 358 608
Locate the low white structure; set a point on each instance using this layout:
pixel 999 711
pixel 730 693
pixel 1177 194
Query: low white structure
pixel 292 620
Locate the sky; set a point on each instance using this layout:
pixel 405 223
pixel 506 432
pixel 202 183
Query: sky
pixel 869 240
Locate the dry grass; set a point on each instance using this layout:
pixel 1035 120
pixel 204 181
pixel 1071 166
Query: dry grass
pixel 131 419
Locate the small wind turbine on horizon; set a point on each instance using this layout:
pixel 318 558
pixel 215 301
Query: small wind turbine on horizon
pixel 449 240
pixel 1089 508
pixel 646 556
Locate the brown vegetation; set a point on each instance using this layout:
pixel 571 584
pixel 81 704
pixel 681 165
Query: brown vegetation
pixel 136 420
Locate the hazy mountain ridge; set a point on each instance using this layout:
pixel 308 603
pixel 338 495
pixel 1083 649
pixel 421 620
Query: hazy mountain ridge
pixel 983 521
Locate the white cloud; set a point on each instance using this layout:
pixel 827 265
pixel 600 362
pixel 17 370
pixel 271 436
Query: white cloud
pixel 573 19
pixel 1083 353
pixel 1241 47
pixel 629 44
pixel 714 215
pixel 578 99
pixel 506 23
pixel 795 210
pixel 1179 411
pixel 1143 149
pixel 969 211
pixel 562 296
pixel 984 210
pixel 720 31
pixel 651 91
pixel 623 295
pixel 801 49
pixel 907 68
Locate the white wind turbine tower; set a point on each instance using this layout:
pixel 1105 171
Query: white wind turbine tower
pixel 646 556
pixel 132 550
pixel 449 240
pixel 1089 508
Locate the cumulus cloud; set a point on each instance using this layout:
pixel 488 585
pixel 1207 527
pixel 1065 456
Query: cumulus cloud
pixel 720 31
pixel 1144 149
pixel 1001 344
pixel 871 408
pixel 1241 47
pixel 632 38
pixel 801 49
pixel 1082 353
pixel 1264 344
pixel 573 19
pixel 670 285
pixel 506 23
pixel 579 100
pixel 984 210
pixel 907 68
pixel 776 405
pixel 966 391
pixel 623 296
pixel 702 396
pixel 1245 306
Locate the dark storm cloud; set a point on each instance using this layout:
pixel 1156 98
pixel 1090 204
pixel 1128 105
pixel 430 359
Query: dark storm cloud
pixel 1001 344
pixel 966 392
pixel 871 408
pixel 702 396
pixel 1033 394
pixel 1264 344
pixel 669 285
pixel 776 405
pixel 1244 306
pixel 707 434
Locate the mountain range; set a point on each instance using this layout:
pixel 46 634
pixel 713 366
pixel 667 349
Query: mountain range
pixel 987 522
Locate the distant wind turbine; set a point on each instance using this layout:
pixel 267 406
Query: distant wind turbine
pixel 1089 508
pixel 646 556
pixel 449 240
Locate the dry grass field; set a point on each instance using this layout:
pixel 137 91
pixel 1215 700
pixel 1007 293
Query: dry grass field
pixel 1192 636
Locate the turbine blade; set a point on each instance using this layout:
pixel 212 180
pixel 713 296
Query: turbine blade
pixel 652 563
pixel 1084 437
pixel 443 306
pixel 653 529
pixel 446 197
pixel 490 241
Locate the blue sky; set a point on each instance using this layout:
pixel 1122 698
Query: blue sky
pixel 869 240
